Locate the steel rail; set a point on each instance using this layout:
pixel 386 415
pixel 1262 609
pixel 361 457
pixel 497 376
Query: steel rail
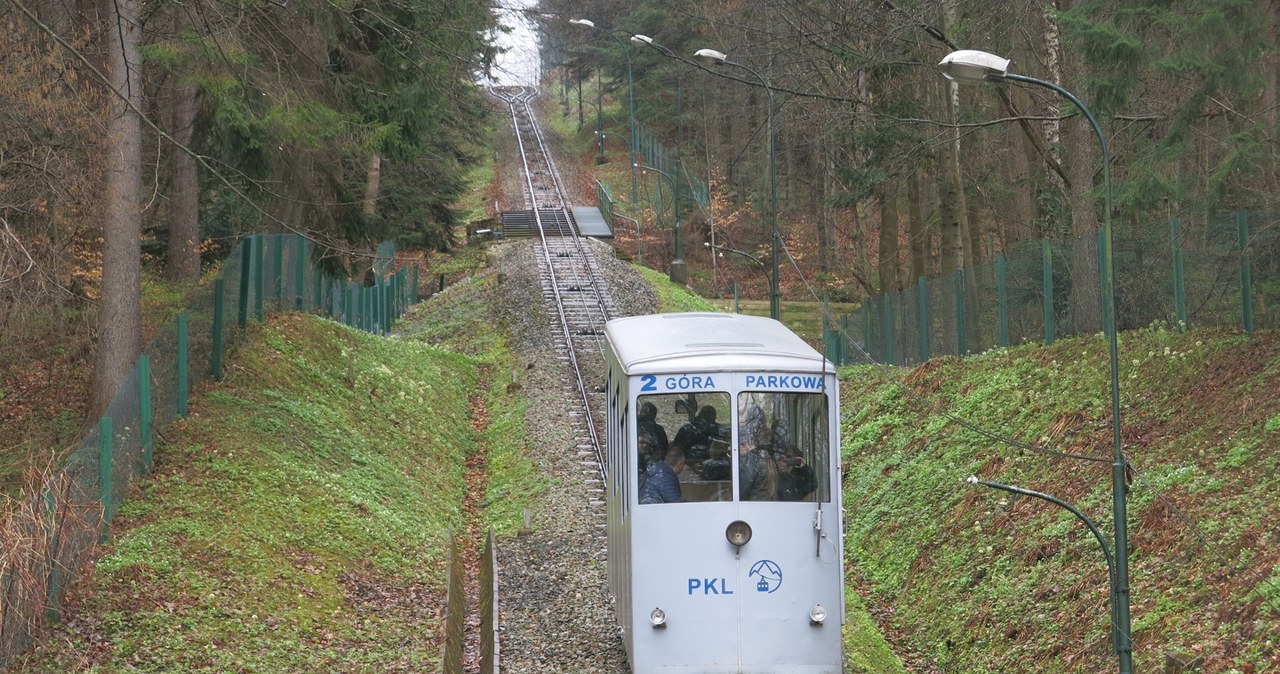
pixel 519 106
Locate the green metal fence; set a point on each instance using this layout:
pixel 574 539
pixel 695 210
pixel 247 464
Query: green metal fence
pixel 1221 272
pixel 605 200
pixel 51 537
pixel 656 155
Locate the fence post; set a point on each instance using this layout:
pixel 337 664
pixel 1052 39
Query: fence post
pixel 1179 275
pixel 1246 271
pixel 843 340
pixel 300 271
pixel 215 361
pixel 277 271
pixel 922 316
pixel 866 328
pixel 144 405
pixel 321 307
pixel 354 291
pixel 414 292
pixel 343 297
pixel 962 346
pixel 1002 297
pixel 384 305
pixel 183 365
pixel 1046 262
pixel 356 304
pixel 104 471
pixel 259 282
pixel 886 310
pixel 246 278
pixel 51 611
pixel 1104 270
pixel 828 340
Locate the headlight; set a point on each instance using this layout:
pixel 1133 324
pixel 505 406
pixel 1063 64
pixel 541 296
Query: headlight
pixel 817 614
pixel 738 533
pixel 658 617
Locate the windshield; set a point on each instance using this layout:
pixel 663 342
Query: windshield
pixel 685 452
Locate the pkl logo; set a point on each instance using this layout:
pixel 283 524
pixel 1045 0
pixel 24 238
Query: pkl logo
pixel 768 576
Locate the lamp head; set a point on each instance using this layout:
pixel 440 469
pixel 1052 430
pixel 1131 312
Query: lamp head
pixel 642 39
pixel 583 22
pixel 971 65
pixel 710 57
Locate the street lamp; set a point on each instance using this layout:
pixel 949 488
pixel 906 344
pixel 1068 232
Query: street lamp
pixel 631 99
pixel 969 65
pixel 678 273
pixel 713 57
pixel 646 40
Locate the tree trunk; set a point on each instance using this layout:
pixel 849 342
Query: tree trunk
pixel 826 212
pixel 372 184
pixel 184 212
pixel 1270 116
pixel 120 312
pixel 1080 146
pixel 888 263
pixel 917 228
pixel 976 231
pixel 949 210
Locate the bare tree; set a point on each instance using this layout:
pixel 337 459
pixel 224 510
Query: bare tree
pixel 184 212
pixel 120 311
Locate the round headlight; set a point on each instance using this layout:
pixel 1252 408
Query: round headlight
pixel 817 614
pixel 658 617
pixel 738 532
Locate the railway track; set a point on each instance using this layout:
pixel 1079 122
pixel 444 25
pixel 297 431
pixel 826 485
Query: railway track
pixel 552 587
pixel 571 280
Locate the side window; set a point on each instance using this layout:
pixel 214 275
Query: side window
pixel 682 447
pixel 783 447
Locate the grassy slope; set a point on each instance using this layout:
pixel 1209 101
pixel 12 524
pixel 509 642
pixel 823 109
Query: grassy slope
pixel 297 520
pixel 991 583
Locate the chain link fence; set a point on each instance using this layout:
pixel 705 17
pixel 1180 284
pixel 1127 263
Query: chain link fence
pixel 49 538
pixel 1219 272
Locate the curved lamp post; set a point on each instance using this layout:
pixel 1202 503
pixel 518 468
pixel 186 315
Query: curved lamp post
pixel 749 256
pixel 713 57
pixel 745 254
pixel 600 134
pixel 1093 529
pixel 678 274
pixel 631 98
pixel 969 65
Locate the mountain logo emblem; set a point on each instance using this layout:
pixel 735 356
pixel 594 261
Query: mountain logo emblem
pixel 767 575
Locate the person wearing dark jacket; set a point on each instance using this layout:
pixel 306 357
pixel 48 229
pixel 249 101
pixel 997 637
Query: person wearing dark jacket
pixel 662 482
pixel 698 434
pixel 652 433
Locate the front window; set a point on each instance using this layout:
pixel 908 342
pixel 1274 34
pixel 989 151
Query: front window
pixel 682 441
pixel 684 450
pixel 783 447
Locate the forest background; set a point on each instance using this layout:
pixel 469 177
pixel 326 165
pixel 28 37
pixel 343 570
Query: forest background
pixel 888 173
pixel 148 138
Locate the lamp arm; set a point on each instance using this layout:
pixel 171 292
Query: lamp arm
pixel 1093 528
pixel 1093 122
